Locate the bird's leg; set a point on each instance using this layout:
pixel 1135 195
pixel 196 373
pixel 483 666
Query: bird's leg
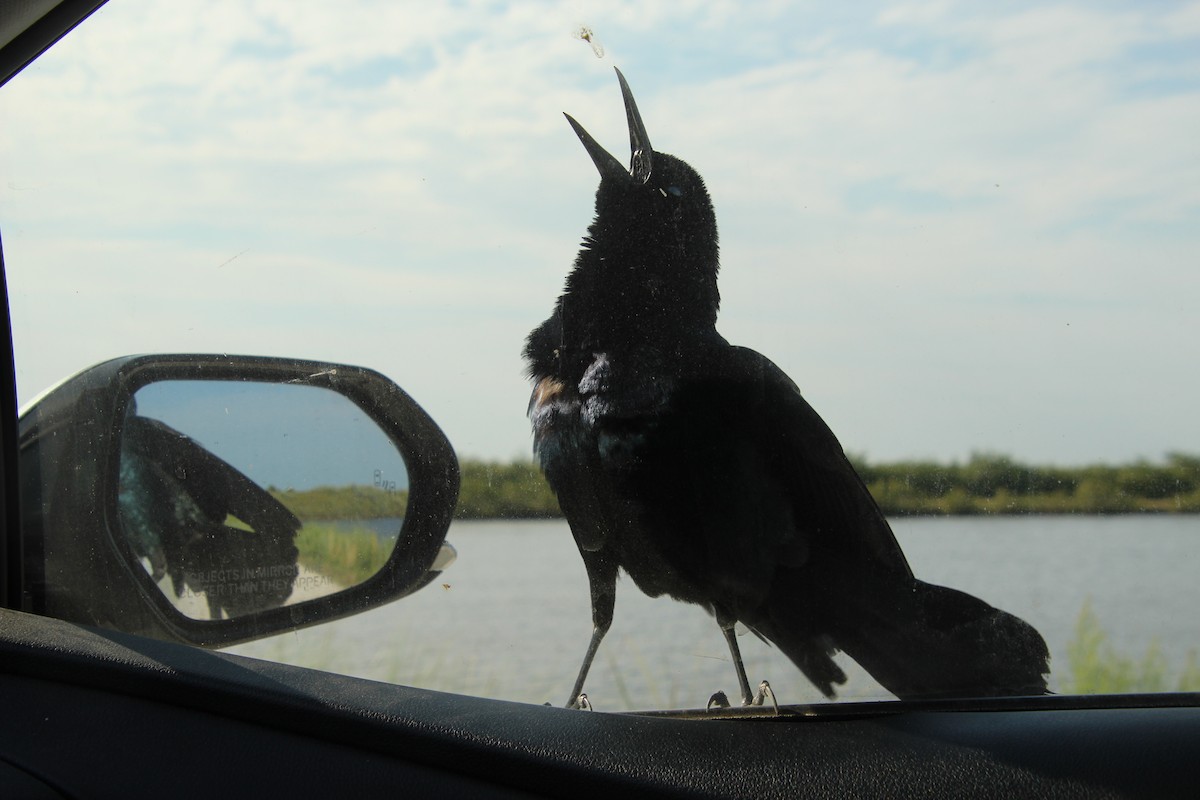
pixel 602 583
pixel 727 622
pixel 718 700
pixel 763 694
pixel 598 631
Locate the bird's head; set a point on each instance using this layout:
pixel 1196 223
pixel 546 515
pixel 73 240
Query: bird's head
pixel 650 256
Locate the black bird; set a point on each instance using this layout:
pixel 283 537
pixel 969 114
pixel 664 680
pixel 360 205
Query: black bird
pixel 175 501
pixel 698 468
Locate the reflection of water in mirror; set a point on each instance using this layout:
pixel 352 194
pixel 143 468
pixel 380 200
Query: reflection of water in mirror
pixel 241 496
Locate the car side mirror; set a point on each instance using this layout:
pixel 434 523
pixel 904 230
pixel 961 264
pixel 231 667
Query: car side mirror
pixel 215 499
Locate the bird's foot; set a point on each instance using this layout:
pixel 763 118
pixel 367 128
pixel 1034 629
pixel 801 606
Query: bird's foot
pixel 763 694
pixel 718 700
pixel 582 703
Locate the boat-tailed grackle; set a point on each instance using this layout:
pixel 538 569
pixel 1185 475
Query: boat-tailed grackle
pixel 699 469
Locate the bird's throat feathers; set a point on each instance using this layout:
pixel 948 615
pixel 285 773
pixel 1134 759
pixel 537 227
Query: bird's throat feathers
pixel 649 263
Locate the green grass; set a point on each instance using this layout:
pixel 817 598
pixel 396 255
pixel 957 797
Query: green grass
pixel 1095 667
pixel 347 557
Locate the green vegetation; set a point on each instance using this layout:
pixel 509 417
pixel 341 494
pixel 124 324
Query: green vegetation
pixel 1094 667
pixel 343 502
pixel 985 484
pixel 995 484
pixel 492 490
pixel 346 557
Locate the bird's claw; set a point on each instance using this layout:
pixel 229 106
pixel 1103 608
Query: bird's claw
pixel 582 703
pixel 718 700
pixel 763 694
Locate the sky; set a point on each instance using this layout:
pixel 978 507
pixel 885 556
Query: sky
pixel 959 227
pixel 268 432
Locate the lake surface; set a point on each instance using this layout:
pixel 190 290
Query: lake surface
pixel 510 618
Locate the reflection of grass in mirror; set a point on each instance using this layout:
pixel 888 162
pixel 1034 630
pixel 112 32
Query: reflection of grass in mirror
pixel 347 557
pixel 1095 667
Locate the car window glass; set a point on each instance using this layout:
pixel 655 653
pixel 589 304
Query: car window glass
pixel 967 235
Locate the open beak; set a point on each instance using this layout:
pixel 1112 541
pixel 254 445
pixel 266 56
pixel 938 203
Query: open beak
pixel 641 154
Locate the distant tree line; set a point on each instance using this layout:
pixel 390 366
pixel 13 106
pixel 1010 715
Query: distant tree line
pixel 985 484
pixel 513 490
pixel 343 502
pixel 996 484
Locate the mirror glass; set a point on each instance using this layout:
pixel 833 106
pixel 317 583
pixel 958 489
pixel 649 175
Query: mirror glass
pixel 240 496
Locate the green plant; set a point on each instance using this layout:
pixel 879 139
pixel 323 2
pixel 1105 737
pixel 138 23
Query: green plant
pixel 1095 667
pixel 347 557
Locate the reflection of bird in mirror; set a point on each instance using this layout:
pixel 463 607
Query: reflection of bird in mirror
pixel 698 468
pixel 177 502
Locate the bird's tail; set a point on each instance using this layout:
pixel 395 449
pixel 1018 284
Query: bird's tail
pixel 917 639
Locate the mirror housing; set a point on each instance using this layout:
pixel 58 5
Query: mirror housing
pixel 81 561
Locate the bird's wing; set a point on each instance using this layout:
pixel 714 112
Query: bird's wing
pixel 216 487
pixel 737 476
pixel 831 505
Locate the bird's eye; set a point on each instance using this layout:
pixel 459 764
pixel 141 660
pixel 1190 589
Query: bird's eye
pixel 675 190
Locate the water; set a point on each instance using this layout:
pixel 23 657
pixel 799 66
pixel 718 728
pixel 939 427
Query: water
pixel 510 618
